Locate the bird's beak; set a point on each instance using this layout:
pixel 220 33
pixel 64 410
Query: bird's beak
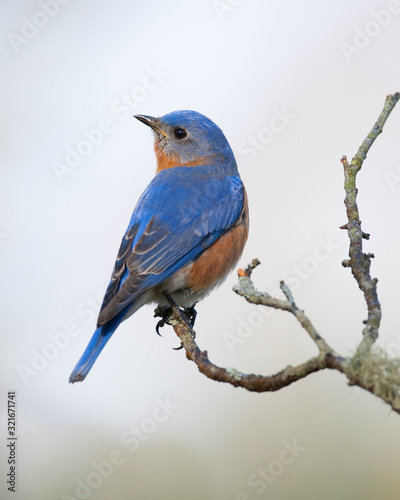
pixel 152 122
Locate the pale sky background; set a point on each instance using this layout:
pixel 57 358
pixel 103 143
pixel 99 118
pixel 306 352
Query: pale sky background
pixel 317 73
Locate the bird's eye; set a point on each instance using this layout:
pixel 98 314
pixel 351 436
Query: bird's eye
pixel 180 133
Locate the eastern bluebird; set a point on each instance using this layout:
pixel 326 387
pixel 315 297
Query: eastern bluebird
pixel 186 232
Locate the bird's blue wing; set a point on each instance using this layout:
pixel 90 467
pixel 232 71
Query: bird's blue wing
pixel 183 211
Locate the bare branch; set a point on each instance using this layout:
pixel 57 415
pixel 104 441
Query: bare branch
pixel 251 382
pixel 360 262
pixel 246 289
pixel 369 368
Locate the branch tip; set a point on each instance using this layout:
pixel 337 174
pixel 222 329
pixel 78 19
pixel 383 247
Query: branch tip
pixel 249 269
pixel 286 290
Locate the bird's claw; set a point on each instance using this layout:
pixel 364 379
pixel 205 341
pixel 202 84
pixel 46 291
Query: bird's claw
pixel 187 315
pixel 165 312
pixel 159 325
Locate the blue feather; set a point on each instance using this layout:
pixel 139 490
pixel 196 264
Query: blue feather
pixel 178 227
pixel 97 343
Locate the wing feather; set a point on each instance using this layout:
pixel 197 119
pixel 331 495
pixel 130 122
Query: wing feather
pixel 176 218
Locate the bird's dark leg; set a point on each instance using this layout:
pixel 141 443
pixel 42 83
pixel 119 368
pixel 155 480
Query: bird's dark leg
pixel 191 314
pixel 187 315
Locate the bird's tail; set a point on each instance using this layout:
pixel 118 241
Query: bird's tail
pixel 99 339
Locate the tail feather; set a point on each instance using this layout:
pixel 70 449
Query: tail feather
pixel 99 339
pixel 101 336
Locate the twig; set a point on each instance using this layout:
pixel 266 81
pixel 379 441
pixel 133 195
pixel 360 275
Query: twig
pixel 360 262
pixel 246 289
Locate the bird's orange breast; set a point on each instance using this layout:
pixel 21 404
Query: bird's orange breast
pixel 216 262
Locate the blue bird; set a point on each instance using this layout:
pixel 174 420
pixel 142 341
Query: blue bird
pixel 186 232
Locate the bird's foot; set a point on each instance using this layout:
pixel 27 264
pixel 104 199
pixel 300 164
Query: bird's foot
pixel 191 314
pixel 186 315
pixel 165 312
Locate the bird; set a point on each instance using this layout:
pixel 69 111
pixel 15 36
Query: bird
pixel 187 230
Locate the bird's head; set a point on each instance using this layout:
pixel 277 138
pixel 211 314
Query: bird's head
pixel 187 138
